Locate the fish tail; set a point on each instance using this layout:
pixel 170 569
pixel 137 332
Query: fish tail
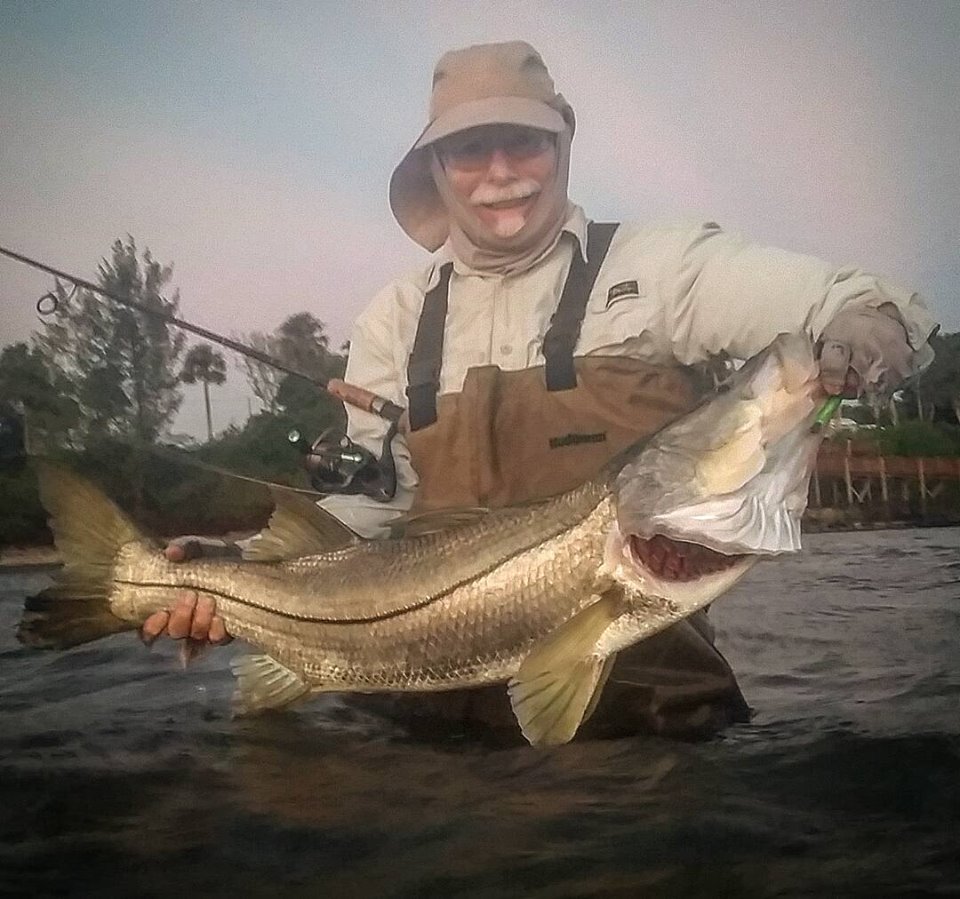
pixel 88 530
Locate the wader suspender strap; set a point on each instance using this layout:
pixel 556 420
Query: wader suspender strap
pixel 561 338
pixel 423 369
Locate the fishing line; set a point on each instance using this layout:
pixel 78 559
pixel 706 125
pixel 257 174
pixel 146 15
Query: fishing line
pixel 179 457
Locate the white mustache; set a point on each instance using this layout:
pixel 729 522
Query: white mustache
pixel 487 194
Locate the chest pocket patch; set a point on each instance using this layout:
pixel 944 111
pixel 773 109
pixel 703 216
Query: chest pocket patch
pixel 624 290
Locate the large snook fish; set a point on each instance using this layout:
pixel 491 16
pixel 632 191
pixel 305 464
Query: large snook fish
pixel 540 597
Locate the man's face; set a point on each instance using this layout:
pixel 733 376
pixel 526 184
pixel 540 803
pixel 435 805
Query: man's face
pixel 499 171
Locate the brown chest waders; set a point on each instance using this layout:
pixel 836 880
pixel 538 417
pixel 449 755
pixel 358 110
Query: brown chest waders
pixel 512 436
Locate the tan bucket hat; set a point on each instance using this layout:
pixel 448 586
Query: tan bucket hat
pixel 481 85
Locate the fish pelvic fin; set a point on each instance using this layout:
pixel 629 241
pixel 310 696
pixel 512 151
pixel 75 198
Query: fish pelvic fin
pixel 602 679
pixel 297 527
pixel 263 683
pixel 89 531
pixel 559 683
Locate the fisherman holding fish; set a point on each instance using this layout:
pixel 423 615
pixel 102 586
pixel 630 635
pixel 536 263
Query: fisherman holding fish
pixel 536 345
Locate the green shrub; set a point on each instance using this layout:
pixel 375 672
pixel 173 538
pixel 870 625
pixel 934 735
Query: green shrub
pixel 24 520
pixel 919 438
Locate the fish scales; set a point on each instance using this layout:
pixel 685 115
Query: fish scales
pixel 474 632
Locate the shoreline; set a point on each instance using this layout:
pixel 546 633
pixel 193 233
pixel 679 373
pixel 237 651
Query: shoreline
pixel 46 555
pixel 25 558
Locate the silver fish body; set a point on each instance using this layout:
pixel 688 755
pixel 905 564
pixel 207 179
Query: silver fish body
pixel 453 609
pixel 541 597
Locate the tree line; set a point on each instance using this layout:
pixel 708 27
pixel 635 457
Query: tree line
pixel 100 384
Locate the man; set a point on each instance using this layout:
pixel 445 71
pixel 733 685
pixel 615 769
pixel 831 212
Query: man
pixel 535 345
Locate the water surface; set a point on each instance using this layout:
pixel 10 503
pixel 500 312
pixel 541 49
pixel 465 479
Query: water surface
pixel 122 775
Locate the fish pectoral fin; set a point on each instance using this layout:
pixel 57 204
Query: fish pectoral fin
pixel 297 527
pixel 558 684
pixel 263 683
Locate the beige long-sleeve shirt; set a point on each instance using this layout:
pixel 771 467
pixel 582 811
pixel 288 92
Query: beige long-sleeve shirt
pixel 674 295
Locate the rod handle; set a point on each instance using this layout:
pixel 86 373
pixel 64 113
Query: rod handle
pixel 360 398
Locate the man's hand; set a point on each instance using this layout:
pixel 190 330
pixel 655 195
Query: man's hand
pixel 865 349
pixel 193 617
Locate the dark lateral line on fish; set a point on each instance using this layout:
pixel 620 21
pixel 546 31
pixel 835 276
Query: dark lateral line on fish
pixel 385 616
pixel 291 616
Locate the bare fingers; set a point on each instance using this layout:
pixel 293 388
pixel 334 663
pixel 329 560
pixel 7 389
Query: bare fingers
pixel 202 616
pixel 181 615
pixel 193 619
pixel 208 626
pixel 154 626
pixel 218 632
pixel 175 552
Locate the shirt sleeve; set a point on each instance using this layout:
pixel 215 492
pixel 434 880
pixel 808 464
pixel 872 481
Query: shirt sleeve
pixel 724 293
pixel 372 364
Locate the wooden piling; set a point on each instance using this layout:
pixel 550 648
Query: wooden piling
pixel 923 487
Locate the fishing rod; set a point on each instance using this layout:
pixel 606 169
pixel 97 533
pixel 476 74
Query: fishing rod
pixel 354 396
pixel 334 462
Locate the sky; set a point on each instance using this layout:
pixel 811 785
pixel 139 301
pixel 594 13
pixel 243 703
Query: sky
pixel 250 144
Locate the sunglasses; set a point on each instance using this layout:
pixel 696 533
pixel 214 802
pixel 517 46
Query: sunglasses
pixel 474 150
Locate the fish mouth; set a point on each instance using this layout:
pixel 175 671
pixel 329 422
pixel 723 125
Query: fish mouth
pixel 676 560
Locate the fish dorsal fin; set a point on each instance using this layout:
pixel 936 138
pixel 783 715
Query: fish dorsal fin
pixel 297 527
pixel 554 691
pixel 422 523
pixel 263 683
pixel 419 524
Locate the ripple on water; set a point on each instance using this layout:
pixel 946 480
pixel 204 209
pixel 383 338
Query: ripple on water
pixel 122 775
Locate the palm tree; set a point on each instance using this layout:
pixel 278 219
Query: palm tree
pixel 205 364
